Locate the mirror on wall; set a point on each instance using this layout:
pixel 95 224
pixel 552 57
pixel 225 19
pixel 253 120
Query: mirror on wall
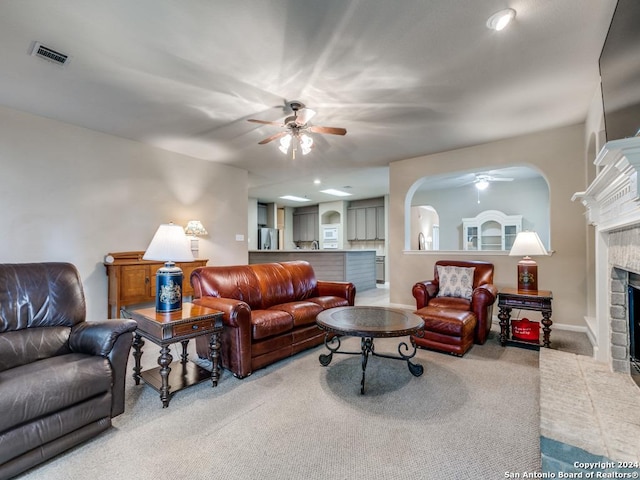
pixel 442 204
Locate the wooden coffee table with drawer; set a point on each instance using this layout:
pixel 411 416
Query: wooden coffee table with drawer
pixel 163 329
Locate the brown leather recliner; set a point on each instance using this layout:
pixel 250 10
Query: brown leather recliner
pixel 483 296
pixel 61 378
pixel 270 310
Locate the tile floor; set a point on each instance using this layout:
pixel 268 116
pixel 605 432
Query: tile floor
pixel 584 404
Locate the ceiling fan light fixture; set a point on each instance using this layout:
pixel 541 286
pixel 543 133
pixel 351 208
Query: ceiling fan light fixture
pixel 499 20
pixel 306 142
pixel 295 137
pixel 482 184
pixel 285 142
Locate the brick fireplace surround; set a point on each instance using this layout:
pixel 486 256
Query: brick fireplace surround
pixel 613 207
pixel 590 407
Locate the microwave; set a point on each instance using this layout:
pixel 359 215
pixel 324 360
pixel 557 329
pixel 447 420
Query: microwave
pixel 330 234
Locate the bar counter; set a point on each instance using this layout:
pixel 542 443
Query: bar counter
pixel 355 266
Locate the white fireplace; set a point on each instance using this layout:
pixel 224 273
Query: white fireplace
pixel 613 207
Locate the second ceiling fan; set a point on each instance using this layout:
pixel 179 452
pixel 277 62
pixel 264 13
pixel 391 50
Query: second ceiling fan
pixel 295 130
pixel 482 181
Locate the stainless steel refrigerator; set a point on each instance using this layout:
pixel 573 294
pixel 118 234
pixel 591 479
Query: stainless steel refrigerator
pixel 267 239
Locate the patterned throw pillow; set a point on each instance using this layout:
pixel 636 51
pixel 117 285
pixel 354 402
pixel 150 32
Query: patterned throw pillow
pixel 455 281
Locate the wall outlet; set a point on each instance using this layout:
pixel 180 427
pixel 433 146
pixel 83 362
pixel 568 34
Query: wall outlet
pixel 239 237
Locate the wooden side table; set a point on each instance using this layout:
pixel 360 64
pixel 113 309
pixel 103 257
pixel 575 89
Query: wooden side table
pixel 163 329
pixel 540 301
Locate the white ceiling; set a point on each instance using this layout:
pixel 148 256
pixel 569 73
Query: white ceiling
pixel 405 78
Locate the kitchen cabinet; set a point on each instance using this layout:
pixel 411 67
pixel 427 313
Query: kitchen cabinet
pixel 262 215
pixel 132 280
pixel 365 223
pixel 490 230
pixel 305 227
pixel 380 223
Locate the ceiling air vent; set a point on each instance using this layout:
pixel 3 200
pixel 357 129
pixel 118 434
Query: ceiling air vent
pixel 49 54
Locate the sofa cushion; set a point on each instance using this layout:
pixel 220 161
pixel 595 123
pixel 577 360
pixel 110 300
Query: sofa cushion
pixel 31 344
pixel 329 301
pixel 238 282
pixel 274 282
pixel 266 323
pixel 454 281
pixel 454 303
pixel 303 279
pixel 46 386
pixel 303 313
pixel 448 322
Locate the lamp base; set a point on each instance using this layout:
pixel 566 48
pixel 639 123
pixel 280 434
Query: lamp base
pixel 169 288
pixel 527 275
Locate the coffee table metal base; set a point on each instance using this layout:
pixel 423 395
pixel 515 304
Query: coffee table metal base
pixel 367 348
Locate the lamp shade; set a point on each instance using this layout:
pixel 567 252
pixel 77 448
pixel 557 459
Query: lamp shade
pixel 527 244
pixel 195 227
pixel 169 244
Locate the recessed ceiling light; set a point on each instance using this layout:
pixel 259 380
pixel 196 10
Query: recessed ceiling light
pixel 501 19
pixel 293 198
pixel 337 193
pixel 317 181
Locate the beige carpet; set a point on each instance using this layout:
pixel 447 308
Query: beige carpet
pixel 466 418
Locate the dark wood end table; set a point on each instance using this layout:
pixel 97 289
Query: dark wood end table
pixel 540 301
pixel 163 329
pixel 369 323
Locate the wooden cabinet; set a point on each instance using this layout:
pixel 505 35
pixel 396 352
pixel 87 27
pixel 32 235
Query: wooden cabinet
pixel 380 223
pixel 306 227
pixel 262 215
pixel 490 230
pixel 132 280
pixel 365 223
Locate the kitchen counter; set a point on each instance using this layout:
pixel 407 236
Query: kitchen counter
pixel 309 250
pixel 356 266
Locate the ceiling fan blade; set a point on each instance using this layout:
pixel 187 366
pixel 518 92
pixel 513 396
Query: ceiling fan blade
pixel 330 130
pixel 265 122
pixel 273 137
pixel 304 115
pixel 500 179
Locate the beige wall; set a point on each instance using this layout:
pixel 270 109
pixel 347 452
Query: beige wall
pixel 71 194
pixel 559 155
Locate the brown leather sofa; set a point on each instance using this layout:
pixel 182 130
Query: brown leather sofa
pixel 61 378
pixel 269 310
pixel 453 324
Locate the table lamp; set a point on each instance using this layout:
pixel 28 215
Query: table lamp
pixel 527 244
pixel 195 229
pixel 169 245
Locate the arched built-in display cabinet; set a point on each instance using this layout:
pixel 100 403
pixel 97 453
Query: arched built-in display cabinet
pixel 490 230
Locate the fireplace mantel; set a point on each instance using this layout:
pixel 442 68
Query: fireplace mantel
pixel 613 207
pixel 612 198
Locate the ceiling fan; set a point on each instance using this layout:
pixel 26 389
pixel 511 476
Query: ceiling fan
pixel 482 181
pixel 296 129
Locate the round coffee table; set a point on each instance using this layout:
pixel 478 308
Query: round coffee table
pixel 369 323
